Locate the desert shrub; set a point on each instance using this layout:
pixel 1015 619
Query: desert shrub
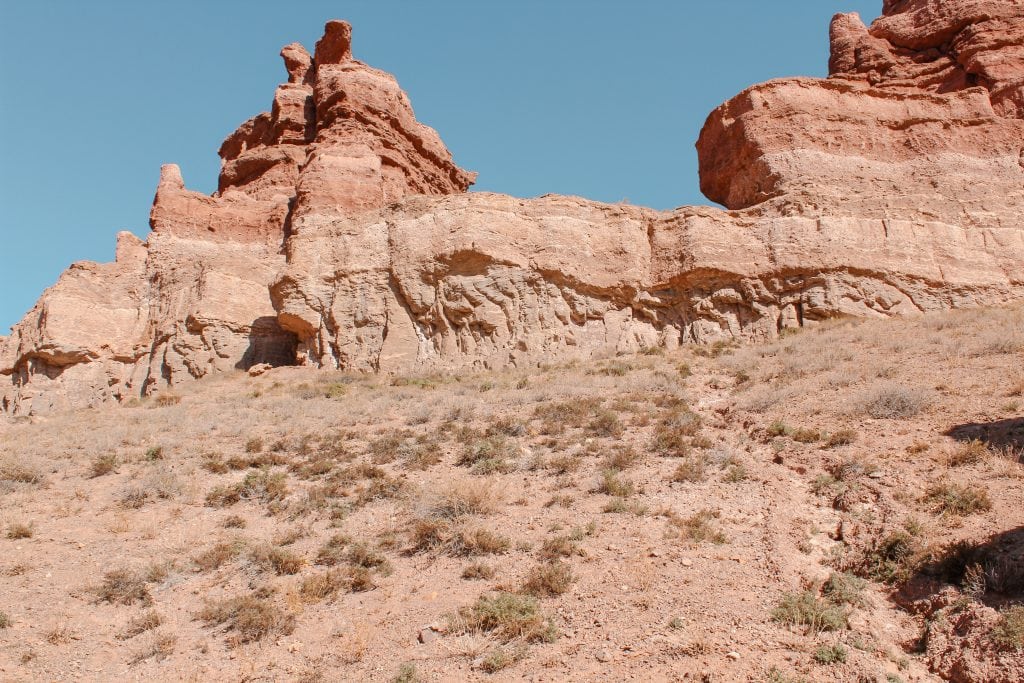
pixel 506 617
pixel 613 484
pixel 956 499
pixel 165 400
pixel 806 435
pixel 606 423
pixel 218 555
pixel 691 469
pixel 843 437
pixel 1009 632
pixel 559 415
pixel 462 498
pixel 147 621
pixel 507 426
pixel 5 621
pixel 479 542
pixel 479 570
pixel 893 402
pixel 844 589
pixel 214 463
pixel 332 552
pixel 122 587
pixel 548 579
pixel 735 474
pixel 15 472
pixel 19 530
pixel 154 453
pixel 362 555
pixel 699 527
pixel 254 444
pixel 890 559
pixel 252 617
pixel 673 432
pixel 715 349
pixel 490 454
pixel 406 674
pixel 564 464
pixel 159 647
pixel 560 546
pixel 622 458
pixel 969 453
pixel 280 560
pixel 104 464
pixel 830 654
pixel 807 609
pixel 327 584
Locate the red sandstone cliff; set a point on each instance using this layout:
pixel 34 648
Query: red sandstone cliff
pixel 342 234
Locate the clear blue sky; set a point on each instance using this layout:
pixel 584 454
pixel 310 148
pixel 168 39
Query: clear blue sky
pixel 599 98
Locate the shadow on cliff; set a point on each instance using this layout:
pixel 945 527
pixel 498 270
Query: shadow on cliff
pixel 1004 435
pixel 268 343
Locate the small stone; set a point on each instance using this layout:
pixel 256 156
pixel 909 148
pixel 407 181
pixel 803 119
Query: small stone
pixel 427 635
pixel 734 656
pixel 259 369
pixel 687 562
pixel 604 656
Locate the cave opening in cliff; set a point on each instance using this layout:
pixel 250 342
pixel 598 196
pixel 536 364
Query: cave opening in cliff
pixel 270 344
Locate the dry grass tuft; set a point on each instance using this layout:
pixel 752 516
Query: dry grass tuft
pixel 893 402
pixel 147 621
pixel 549 579
pixel 699 527
pixel 956 499
pixel 123 587
pixel 507 617
pixel 280 560
pixel 19 530
pixel 250 616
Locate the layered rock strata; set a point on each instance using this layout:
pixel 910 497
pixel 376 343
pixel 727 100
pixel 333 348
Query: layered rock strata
pixel 342 235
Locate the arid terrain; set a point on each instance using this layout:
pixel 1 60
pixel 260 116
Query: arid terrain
pixel 842 504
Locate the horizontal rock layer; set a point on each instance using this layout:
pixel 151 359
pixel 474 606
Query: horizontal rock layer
pixel 342 235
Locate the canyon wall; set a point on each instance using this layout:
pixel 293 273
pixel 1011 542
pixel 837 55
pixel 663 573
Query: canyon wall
pixel 342 234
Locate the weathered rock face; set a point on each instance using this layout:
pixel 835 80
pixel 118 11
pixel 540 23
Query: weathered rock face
pixel 194 298
pixel 342 236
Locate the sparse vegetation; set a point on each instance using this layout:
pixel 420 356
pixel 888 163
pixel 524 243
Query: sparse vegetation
pixel 807 609
pixel 613 484
pixel 102 465
pixel 956 499
pixel 548 579
pixel 251 617
pixel 969 453
pixel 280 560
pixel 123 587
pixel 691 469
pixel 479 570
pixel 147 621
pixel 507 617
pixel 699 527
pixel 893 402
pixel 830 654
pixel 339 508
pixel 1009 633
pixel 19 530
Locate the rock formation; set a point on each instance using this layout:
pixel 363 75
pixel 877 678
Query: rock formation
pixel 342 234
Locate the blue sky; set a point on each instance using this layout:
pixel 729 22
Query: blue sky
pixel 598 98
